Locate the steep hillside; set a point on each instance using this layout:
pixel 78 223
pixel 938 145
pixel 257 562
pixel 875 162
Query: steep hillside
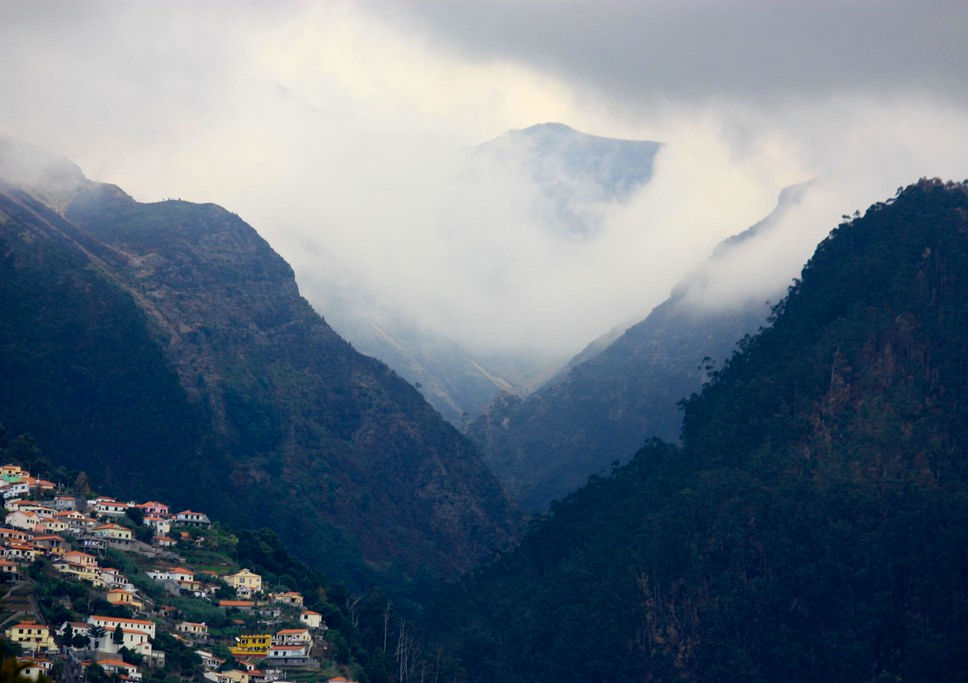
pixel 452 379
pixel 813 524
pixel 176 331
pixel 603 406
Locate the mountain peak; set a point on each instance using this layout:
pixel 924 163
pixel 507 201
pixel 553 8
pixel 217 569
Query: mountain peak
pixel 52 177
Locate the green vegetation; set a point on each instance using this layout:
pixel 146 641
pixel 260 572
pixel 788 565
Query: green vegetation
pixel 80 369
pixel 164 350
pixel 813 524
pixel 362 631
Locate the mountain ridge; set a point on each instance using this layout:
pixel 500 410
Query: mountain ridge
pixel 811 525
pixel 606 402
pixel 352 459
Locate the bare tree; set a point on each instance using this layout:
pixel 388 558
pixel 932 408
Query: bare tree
pixel 353 607
pixel 386 625
pixel 407 652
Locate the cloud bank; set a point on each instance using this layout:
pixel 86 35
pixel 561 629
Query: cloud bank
pixel 340 131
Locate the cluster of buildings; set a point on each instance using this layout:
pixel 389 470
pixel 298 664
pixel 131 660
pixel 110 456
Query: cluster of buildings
pixel 34 527
pixel 73 533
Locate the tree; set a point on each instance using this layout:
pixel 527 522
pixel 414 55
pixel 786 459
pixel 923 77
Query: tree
pixel 24 449
pixel 96 673
pixel 95 635
pixel 118 636
pixel 145 534
pixel 131 657
pixel 135 515
pixel 82 483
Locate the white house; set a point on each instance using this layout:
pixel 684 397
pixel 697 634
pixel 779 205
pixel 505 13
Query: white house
pixel 65 503
pixel 161 525
pixel 176 574
pixel 209 661
pixel 311 619
pixel 288 654
pixel 17 490
pixel 34 667
pixel 110 507
pixel 110 623
pixel 19 519
pixel 189 517
pixel 121 668
pixel 293 636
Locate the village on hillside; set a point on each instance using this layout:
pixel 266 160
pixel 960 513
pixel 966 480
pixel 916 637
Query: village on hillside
pixel 101 589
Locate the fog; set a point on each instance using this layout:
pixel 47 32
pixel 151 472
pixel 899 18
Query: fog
pixel 342 133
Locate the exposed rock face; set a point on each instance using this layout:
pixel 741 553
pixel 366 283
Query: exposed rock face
pixel 294 429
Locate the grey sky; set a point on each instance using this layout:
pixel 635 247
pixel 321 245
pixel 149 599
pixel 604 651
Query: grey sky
pixel 747 49
pixel 336 129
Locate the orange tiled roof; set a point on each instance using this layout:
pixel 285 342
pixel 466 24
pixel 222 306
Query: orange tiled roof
pixel 123 620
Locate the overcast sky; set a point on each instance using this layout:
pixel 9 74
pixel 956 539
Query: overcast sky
pixel 337 130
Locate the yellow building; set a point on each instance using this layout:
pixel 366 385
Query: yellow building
pixel 55 525
pixel 31 636
pixel 114 532
pixel 291 598
pixel 12 471
pixel 245 583
pixel 193 629
pixel 81 571
pixel 117 596
pixel 257 644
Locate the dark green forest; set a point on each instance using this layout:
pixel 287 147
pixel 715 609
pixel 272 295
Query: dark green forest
pixel 164 349
pixel 79 367
pixel 813 525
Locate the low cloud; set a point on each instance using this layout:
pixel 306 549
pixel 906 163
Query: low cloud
pixel 342 133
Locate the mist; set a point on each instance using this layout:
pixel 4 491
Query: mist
pixel 342 133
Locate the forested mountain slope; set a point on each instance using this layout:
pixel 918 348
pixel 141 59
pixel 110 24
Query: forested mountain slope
pixel 604 407
pixel 813 524
pixel 168 343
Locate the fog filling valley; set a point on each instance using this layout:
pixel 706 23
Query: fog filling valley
pixel 346 134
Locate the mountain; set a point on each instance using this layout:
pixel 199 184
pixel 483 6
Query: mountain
pixel 813 524
pixel 609 400
pixel 452 379
pixel 164 348
pixel 577 174
pixel 575 178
